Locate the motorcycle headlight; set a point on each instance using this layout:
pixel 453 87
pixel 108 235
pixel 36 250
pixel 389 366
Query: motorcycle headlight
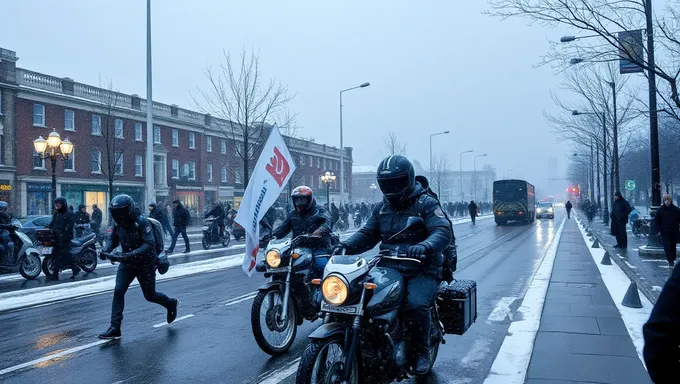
pixel 334 290
pixel 273 258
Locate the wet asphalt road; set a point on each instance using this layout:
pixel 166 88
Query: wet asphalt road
pixel 215 345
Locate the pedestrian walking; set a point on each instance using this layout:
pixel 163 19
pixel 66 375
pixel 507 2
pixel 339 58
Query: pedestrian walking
pixel 472 208
pixel 135 235
pixel 619 218
pixel 568 206
pixel 97 218
pixel 180 221
pixel 161 216
pixel 668 221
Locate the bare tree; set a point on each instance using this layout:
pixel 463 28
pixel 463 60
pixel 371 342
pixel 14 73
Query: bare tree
pixel 393 146
pixel 110 141
pixel 245 102
pixel 441 174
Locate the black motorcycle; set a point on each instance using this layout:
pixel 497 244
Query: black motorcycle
pixel 289 297
pixel 357 219
pixel 342 224
pixel 641 227
pixel 211 234
pixel 83 252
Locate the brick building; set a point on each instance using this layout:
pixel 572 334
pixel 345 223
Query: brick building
pixel 194 161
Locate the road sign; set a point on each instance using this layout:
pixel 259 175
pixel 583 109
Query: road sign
pixel 630 185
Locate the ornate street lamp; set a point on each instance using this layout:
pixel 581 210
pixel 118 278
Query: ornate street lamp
pixel 373 187
pixel 53 148
pixel 328 178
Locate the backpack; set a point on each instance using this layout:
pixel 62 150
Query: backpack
pixel 159 242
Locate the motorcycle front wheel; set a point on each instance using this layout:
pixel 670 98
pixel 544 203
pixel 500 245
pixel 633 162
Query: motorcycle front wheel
pixel 89 261
pixel 323 361
pixel 49 266
pixel 226 239
pixel 205 242
pixel 273 335
pixel 30 267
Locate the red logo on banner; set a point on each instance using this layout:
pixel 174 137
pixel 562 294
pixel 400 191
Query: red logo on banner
pixel 254 255
pixel 278 167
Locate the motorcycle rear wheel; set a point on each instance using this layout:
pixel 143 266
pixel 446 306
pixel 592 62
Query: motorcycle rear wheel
pixel 313 370
pixel 30 267
pixel 48 266
pixel 89 261
pixel 205 242
pixel 226 239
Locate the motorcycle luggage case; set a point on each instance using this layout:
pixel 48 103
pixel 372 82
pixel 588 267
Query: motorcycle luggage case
pixel 45 236
pixel 458 306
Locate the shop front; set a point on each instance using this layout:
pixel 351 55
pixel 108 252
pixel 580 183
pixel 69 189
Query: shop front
pixel 38 199
pixel 87 194
pixel 6 191
pixel 137 193
pixel 191 196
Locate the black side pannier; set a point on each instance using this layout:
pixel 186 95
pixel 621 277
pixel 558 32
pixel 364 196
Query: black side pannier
pixel 457 303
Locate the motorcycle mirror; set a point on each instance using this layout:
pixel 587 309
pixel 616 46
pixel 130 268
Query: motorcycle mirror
pixel 412 222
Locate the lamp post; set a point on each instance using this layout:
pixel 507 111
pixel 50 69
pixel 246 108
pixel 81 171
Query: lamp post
pixel 462 194
pixel 431 136
pixel 474 175
pixel 603 116
pixel 342 145
pixel 52 148
pixel 328 178
pixel 373 187
pixel 590 172
pixel 150 193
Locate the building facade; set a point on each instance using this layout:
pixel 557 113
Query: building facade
pixel 195 161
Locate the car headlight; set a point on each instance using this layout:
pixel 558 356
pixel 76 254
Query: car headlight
pixel 273 258
pixel 538 210
pixel 334 290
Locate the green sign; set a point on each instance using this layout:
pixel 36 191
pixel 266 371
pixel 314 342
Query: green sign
pixel 630 185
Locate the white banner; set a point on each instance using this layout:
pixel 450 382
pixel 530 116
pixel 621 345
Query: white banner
pixel 272 171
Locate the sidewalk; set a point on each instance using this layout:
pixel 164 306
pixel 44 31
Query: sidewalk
pixel 582 337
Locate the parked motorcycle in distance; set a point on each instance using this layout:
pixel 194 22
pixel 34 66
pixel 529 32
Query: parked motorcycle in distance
pixel 25 256
pixel 83 252
pixel 211 234
pixel 357 219
pixel 641 227
pixel 342 224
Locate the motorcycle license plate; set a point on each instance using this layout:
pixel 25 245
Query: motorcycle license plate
pixel 277 270
pixel 47 250
pixel 204 228
pixel 348 310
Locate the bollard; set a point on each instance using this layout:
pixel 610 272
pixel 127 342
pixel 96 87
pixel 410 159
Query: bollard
pixel 589 232
pixel 596 244
pixel 632 298
pixel 606 260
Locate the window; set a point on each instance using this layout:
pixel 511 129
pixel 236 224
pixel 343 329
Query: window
pixel 208 144
pixel 192 140
pixel 39 115
pixel 160 170
pixel 38 161
pixel 70 163
pixel 311 161
pixel 223 174
pixel 96 161
pixel 139 168
pixel 223 147
pixel 138 132
pixel 118 128
pixel 192 170
pixel 69 120
pixel 209 172
pixel 175 169
pixel 175 138
pixel 156 135
pixel 96 125
pixel 119 163
pixel 302 159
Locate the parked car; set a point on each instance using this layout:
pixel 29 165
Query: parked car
pixel 30 224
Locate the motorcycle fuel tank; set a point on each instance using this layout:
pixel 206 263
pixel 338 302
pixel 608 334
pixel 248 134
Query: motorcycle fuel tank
pixel 389 293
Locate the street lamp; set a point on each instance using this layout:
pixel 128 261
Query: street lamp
pixel 342 145
pixel 328 178
pixel 462 194
pixel 603 116
pixel 431 136
pixel 52 148
pixel 591 172
pixel 474 174
pixel 373 187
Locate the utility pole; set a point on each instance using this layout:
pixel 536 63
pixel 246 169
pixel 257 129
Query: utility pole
pixel 150 193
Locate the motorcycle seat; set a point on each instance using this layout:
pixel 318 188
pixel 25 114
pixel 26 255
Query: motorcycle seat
pixel 82 240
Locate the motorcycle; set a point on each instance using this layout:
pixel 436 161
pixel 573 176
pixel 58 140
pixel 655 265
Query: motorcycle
pixel 641 227
pixel 82 229
pixel 289 297
pixel 83 252
pixel 357 219
pixel 211 234
pixel 363 337
pixel 24 256
pixel 342 224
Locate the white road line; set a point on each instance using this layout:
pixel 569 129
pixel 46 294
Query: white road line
pixel 502 310
pixel 278 375
pixel 466 236
pixel 512 360
pixel 236 301
pixel 176 320
pixel 239 297
pixel 51 357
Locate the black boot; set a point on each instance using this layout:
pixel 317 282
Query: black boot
pixel 112 333
pixel 172 310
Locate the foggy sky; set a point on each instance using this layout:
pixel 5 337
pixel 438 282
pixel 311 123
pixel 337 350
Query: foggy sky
pixel 433 66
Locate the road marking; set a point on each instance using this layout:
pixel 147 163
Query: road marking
pixel 239 297
pixel 466 236
pixel 502 310
pixel 656 288
pixel 176 320
pixel 240 300
pixel 278 375
pixel 511 362
pixel 52 357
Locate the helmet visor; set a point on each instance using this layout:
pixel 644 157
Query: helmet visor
pixel 120 215
pixel 300 201
pixel 394 185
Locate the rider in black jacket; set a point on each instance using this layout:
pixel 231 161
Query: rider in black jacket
pixel 62 226
pixel 404 197
pixel 134 234
pixel 218 213
pixel 81 217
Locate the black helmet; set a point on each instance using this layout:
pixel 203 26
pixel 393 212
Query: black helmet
pixel 303 198
pixel 81 206
pixel 396 178
pixel 121 208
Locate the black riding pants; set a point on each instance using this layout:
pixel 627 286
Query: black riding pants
pixel 146 276
pixel 421 292
pixel 669 244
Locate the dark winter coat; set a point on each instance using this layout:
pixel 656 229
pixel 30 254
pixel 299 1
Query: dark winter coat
pixel 160 215
pixel 472 208
pixel 568 206
pixel 181 216
pixel 668 220
pixel 662 334
pixel 387 221
pixel 136 241
pixel 62 225
pixel 97 217
pixel 316 219
pixel 217 212
pixel 81 217
pixel 620 211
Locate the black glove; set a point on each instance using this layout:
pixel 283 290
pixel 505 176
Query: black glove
pixel 103 256
pixel 417 252
pixel 337 250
